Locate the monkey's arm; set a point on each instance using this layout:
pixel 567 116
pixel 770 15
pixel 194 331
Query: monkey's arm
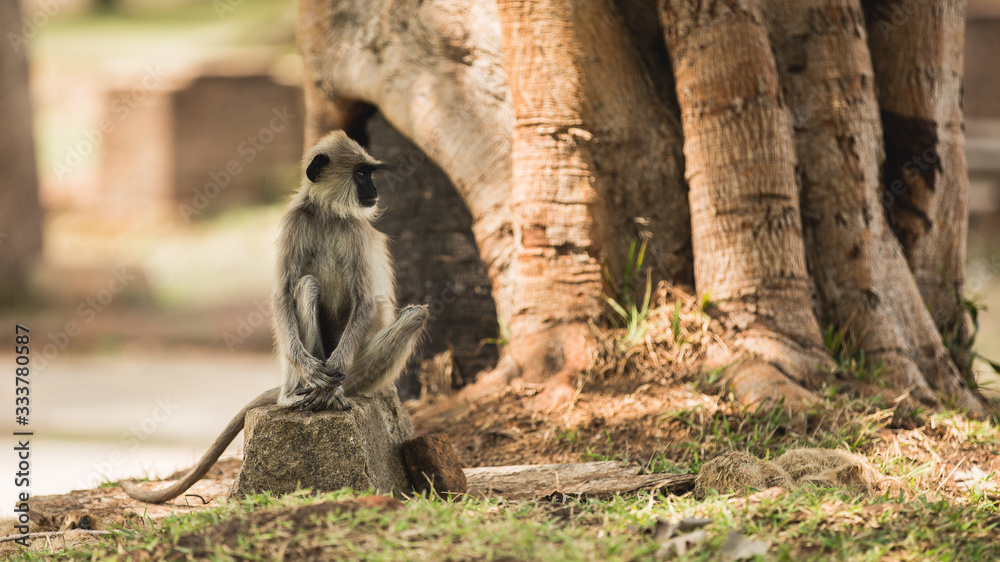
pixel 214 452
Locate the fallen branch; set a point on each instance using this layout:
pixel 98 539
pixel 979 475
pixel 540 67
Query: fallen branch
pixel 594 479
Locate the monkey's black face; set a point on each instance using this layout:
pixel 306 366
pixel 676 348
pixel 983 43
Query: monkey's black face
pixel 367 194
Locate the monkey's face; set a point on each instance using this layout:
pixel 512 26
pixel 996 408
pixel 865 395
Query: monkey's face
pixel 367 194
pixel 340 173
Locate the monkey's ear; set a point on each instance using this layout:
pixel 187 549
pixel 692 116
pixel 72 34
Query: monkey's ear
pixel 316 166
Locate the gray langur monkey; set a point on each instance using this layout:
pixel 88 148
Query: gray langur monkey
pixel 335 324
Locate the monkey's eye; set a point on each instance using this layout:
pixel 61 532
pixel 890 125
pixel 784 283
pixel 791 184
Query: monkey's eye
pixel 361 175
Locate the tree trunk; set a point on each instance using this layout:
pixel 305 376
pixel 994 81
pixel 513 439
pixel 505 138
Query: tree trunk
pixel 745 221
pixel 917 50
pixel 862 282
pixel 588 136
pixel 557 275
pixel 743 138
pixel 20 210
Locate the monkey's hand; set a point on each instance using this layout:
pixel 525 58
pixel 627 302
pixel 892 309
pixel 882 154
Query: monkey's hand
pixel 316 398
pixel 328 376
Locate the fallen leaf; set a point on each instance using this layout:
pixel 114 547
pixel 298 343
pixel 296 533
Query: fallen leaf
pixel 679 545
pixel 771 493
pixel 665 529
pixel 739 547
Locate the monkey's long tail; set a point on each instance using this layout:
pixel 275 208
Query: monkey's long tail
pixel 214 452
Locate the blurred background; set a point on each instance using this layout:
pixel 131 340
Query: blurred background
pixel 166 135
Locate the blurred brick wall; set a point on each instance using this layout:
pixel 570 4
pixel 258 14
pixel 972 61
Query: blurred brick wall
pixel 195 150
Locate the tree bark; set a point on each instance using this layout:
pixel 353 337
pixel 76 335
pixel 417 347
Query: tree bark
pixel 557 273
pixel 589 141
pixel 748 251
pixel 917 50
pixel 747 141
pixel 434 69
pixel 20 210
pixel 862 280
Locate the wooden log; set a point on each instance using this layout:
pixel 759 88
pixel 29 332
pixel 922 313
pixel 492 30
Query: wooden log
pixel 592 479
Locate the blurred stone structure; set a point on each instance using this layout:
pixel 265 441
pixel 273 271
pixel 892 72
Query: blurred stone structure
pixel 195 149
pixel 982 106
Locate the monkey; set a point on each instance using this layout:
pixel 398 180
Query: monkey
pixel 336 330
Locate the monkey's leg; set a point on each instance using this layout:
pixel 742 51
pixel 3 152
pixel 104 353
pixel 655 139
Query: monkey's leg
pixel 307 312
pixel 307 318
pixel 381 359
pixel 302 389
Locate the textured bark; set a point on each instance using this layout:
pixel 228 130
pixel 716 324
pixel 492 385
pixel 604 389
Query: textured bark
pixel 590 140
pixel 591 479
pixel 20 210
pixel 863 284
pixel 434 70
pixel 557 275
pixel 566 128
pixel 917 49
pixel 745 220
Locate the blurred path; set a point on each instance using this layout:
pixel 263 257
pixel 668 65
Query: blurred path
pixel 107 417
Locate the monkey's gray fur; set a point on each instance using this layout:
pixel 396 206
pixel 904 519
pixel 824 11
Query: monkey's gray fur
pixel 335 325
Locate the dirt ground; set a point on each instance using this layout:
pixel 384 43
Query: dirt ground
pixel 647 404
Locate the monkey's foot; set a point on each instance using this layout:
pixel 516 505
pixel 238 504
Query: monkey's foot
pixel 317 398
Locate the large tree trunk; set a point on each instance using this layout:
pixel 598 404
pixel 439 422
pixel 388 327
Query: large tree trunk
pixel 745 218
pixel 862 280
pixel 588 137
pixel 558 124
pixel 20 211
pixel 918 53
pixel 557 276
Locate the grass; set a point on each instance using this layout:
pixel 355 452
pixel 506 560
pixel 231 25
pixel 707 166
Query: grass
pixel 924 518
pixel 850 358
pixel 626 311
pixel 807 523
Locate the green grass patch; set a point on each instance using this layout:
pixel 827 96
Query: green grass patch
pixel 808 523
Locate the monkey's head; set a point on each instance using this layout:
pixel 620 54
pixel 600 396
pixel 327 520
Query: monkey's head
pixel 339 172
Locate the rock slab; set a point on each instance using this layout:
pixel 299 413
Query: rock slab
pixel 285 449
pixel 433 463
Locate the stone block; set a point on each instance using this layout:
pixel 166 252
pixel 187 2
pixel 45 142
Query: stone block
pixel 431 460
pixel 285 449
